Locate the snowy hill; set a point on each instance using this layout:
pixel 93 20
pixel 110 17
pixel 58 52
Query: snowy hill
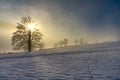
pixel 90 47
pixel 110 46
pixel 91 62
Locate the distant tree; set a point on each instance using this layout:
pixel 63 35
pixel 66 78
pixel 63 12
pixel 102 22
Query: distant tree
pixel 85 42
pixel 65 42
pixel 24 38
pixel 76 42
pixel 81 41
pixel 55 45
pixel 62 43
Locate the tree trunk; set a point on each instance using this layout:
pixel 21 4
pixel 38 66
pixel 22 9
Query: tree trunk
pixel 29 41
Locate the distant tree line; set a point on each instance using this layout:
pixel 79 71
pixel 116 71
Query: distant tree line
pixel 62 43
pixel 81 42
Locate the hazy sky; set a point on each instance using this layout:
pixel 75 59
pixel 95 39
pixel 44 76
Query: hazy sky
pixel 94 20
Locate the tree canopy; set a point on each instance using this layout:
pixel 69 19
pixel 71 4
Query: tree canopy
pixel 23 37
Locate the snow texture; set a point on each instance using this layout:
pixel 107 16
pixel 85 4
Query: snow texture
pixel 92 62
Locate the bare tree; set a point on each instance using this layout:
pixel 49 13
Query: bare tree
pixel 76 42
pixel 85 42
pixel 55 45
pixel 81 41
pixel 65 42
pixel 62 43
pixel 24 38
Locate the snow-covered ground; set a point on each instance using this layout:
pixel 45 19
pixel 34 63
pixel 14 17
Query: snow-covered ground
pixel 92 62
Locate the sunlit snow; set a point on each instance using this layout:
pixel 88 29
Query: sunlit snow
pixel 92 62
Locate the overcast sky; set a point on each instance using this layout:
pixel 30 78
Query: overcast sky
pixel 94 20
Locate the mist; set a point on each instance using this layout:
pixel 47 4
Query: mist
pixel 59 19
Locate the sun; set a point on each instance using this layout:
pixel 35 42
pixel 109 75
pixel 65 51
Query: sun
pixel 31 26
